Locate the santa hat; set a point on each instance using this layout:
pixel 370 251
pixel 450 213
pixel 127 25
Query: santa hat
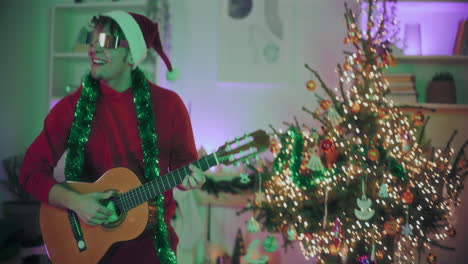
pixel 142 34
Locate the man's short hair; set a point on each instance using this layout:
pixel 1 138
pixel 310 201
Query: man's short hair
pixel 100 22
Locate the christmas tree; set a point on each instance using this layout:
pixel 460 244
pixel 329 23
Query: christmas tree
pixel 367 186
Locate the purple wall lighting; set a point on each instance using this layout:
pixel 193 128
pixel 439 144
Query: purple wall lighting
pixel 412 39
pixel 428 28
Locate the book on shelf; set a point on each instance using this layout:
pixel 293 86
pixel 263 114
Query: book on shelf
pixel 402 98
pixel 464 44
pixel 461 39
pixel 402 87
pixel 400 82
pixel 399 77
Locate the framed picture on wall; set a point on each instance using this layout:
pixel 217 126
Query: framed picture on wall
pixel 256 41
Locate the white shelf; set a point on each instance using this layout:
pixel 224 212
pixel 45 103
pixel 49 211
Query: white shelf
pixel 458 108
pixel 84 55
pixel 455 59
pixel 102 5
pixel 71 55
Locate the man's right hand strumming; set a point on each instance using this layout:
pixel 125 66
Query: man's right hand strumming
pixel 86 206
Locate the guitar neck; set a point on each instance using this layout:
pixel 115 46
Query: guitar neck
pixel 161 184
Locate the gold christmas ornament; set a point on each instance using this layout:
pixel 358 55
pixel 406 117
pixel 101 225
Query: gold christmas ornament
pixel 346 66
pixel 325 104
pixel 373 154
pixel 311 85
pixel 355 108
pixel 383 112
pixel 274 146
pixel 431 258
pixel 380 254
pixel 418 118
pixel 334 251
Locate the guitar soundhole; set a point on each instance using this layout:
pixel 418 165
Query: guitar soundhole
pixel 119 216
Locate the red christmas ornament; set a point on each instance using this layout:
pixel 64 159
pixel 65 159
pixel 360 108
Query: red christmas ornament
pixel 309 236
pixel 311 85
pixel 384 56
pixel 355 108
pixel 383 112
pixel 391 227
pixel 441 167
pixel 327 145
pixel 407 197
pixel 373 154
pixel 325 104
pixel 451 232
pixel 331 156
pixel 462 164
pixel 418 118
pixel 358 58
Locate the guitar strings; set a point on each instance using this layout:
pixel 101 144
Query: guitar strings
pixel 130 196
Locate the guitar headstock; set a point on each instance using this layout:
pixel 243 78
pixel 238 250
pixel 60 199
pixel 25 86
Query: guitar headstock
pixel 244 147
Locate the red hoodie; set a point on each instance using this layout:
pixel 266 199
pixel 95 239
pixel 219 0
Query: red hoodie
pixel 114 142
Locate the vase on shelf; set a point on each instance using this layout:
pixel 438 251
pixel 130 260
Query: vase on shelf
pixel 412 38
pixel 441 89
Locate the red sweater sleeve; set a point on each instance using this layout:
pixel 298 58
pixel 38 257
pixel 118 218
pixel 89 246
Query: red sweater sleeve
pixel 183 150
pixel 36 177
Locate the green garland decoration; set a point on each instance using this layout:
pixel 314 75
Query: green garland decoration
pixel 80 129
pixel 292 138
pixel 79 134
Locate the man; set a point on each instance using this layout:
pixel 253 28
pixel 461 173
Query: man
pixel 116 119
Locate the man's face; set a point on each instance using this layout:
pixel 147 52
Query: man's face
pixel 107 63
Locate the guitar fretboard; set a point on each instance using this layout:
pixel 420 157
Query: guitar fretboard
pixel 163 183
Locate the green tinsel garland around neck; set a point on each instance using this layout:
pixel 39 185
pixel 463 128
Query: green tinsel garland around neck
pixel 79 134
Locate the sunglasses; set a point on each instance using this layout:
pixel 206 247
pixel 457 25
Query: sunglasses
pixel 105 40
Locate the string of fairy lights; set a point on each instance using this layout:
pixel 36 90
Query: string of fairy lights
pixel 396 183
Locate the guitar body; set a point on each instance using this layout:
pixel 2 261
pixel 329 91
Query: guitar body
pixel 58 236
pixel 134 212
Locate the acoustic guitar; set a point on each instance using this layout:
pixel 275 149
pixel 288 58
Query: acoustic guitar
pixel 69 240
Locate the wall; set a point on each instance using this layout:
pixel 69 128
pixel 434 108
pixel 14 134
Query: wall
pixel 221 112
pixel 24 75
